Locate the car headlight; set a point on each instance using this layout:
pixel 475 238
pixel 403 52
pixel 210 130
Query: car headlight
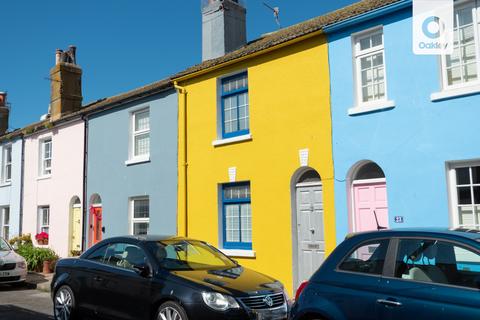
pixel 219 302
pixel 21 265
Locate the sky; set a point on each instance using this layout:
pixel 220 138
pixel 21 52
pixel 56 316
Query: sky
pixel 121 44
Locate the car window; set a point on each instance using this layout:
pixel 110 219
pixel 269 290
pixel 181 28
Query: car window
pixel 436 261
pixel 367 258
pixel 4 246
pixel 98 254
pixel 125 255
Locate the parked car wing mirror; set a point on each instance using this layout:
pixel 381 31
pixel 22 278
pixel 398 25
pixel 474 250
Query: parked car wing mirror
pixel 143 270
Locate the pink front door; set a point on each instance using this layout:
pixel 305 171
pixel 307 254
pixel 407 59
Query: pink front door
pixel 370 198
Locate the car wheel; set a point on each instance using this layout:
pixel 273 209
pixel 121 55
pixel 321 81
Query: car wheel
pixel 171 311
pixel 64 304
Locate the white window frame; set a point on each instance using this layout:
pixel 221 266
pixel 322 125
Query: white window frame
pixel 41 225
pixel 357 55
pixel 44 170
pixel 6 164
pixel 133 134
pixel 3 224
pixel 452 188
pixel 134 220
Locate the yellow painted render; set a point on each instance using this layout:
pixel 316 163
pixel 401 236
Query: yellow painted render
pixel 289 106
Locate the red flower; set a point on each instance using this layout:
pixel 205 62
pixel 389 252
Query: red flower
pixel 41 236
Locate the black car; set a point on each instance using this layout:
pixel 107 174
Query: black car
pixel 167 278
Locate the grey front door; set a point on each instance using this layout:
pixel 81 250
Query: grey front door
pixel 310 233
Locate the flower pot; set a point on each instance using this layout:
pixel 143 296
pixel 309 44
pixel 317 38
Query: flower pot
pixel 42 241
pixel 46 267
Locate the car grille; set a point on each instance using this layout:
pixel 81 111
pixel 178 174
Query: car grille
pixel 7 266
pixel 7 279
pixel 260 302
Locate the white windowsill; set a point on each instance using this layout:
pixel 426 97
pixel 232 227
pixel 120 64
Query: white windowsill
pixel 238 253
pixel 5 184
pixel 47 176
pixel 456 92
pixel 137 160
pixel 375 106
pixel 241 138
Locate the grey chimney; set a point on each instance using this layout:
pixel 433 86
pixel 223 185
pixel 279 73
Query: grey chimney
pixel 223 27
pixel 4 113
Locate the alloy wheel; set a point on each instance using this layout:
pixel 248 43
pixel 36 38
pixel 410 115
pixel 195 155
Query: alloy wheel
pixel 169 313
pixel 63 304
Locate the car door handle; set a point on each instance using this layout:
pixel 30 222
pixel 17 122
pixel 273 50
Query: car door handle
pixel 96 278
pixel 390 303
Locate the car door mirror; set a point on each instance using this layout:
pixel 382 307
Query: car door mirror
pixel 143 270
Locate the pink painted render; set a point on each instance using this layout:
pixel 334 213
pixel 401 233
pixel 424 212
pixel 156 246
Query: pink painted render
pixel 58 189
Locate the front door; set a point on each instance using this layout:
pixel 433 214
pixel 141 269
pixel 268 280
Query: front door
pixel 370 200
pixel 310 233
pixel 76 227
pixel 96 224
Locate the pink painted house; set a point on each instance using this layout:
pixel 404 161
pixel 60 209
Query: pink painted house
pixel 54 163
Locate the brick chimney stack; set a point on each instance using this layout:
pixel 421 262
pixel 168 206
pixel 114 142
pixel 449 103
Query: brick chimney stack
pixel 66 84
pixel 4 113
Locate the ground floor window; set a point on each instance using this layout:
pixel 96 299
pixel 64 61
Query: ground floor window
pixel 464 182
pixel 43 219
pixel 237 216
pixel 5 222
pixel 140 215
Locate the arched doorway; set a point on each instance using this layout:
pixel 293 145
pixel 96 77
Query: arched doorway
pixel 307 223
pixel 75 239
pixel 368 192
pixel 96 216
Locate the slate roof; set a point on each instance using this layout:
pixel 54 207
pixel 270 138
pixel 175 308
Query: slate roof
pixel 293 32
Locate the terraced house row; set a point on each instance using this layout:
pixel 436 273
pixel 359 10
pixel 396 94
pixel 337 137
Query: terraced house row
pixel 272 150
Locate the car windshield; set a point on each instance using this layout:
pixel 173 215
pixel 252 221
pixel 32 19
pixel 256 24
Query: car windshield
pixel 4 245
pixel 189 255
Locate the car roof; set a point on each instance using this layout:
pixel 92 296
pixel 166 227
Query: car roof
pixel 149 238
pixel 473 234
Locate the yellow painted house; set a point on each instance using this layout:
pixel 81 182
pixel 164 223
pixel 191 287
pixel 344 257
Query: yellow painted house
pixel 255 154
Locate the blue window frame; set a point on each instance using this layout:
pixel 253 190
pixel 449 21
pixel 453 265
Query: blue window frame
pixel 235 113
pixel 237 216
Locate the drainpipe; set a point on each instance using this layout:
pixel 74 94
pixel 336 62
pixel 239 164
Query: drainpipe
pixel 183 162
pixel 22 173
pixel 84 196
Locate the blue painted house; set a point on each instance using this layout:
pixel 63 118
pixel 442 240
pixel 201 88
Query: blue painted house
pixel 405 126
pixel 131 166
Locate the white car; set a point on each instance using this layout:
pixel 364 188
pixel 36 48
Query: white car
pixel 13 267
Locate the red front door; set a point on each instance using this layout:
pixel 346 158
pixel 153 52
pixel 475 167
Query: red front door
pixel 95 225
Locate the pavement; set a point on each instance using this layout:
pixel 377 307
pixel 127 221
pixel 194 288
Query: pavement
pixel 28 301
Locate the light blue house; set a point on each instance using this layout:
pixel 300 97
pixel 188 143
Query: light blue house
pixel 10 185
pixel 406 143
pixel 131 164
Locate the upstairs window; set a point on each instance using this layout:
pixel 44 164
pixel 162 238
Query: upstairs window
pixel 5 222
pixel 235 114
pixel 461 67
pixel 7 164
pixel 140 213
pixel 46 157
pixel 140 145
pixel 237 216
pixel 370 68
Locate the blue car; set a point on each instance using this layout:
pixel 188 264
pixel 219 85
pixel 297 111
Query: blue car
pixel 396 274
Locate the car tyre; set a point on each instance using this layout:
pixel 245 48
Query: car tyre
pixel 171 311
pixel 64 304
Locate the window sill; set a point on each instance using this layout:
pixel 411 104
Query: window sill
pixel 454 93
pixel 48 176
pixel 238 253
pixel 5 184
pixel 137 160
pixel 245 137
pixel 376 106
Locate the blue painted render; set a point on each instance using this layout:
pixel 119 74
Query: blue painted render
pixel 10 192
pixel 411 142
pixel 115 182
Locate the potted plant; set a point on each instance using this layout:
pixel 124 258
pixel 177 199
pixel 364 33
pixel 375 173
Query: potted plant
pixel 42 238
